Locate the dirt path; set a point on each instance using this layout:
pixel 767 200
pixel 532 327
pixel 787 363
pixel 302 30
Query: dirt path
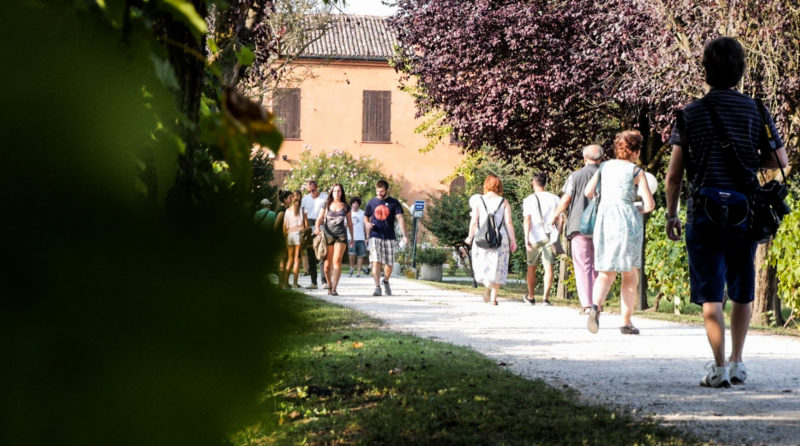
pixel 656 373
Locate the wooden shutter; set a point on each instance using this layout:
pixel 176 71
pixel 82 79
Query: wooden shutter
pixel 376 122
pixel 286 107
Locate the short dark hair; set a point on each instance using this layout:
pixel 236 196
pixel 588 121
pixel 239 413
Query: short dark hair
pixel 355 200
pixel 540 179
pixel 382 183
pixel 724 61
pixel 312 182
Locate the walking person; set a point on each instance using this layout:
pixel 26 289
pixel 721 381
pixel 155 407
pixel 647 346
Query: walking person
pixel 619 229
pixel 358 250
pixel 380 216
pixel 574 201
pixel 490 265
pixel 294 221
pixel 541 229
pixel 312 202
pixel 336 223
pixel 720 256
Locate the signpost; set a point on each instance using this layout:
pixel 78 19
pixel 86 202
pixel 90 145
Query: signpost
pixel 419 208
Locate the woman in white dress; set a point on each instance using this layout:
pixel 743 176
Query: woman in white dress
pixel 490 265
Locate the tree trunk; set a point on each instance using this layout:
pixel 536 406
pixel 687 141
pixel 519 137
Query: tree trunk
pixel 186 55
pixel 648 150
pixel 561 289
pixel 766 296
pixel 641 301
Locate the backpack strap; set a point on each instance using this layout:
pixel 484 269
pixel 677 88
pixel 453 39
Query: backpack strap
pixel 502 219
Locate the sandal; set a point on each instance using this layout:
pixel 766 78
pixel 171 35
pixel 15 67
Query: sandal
pixel 334 293
pixel 494 302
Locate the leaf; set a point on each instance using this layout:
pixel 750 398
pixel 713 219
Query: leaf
pixel 212 45
pixel 165 73
pixel 184 11
pixel 245 56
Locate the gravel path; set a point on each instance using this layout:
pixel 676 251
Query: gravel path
pixel 656 373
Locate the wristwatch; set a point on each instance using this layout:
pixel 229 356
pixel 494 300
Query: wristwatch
pixel 670 217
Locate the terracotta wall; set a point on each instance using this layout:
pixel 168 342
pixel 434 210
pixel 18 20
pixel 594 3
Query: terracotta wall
pixel 331 118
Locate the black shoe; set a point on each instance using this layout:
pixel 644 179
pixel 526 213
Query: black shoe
pixel 529 300
pixel 546 302
pixel 629 330
pixel 387 288
pixel 377 291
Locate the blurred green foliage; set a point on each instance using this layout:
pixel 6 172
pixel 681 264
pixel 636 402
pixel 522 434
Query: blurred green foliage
pixel 122 321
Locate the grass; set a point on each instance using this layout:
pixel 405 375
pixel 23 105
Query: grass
pixel 690 313
pixel 343 380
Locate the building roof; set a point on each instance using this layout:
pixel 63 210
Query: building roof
pixel 354 37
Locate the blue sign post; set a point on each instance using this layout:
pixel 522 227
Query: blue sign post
pixel 419 208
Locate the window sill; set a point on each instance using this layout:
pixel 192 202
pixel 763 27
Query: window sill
pixel 377 142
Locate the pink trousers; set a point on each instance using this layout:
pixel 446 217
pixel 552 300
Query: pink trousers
pixel 583 264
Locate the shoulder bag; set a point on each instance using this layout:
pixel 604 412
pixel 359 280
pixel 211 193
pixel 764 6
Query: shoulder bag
pixel 555 247
pixel 589 215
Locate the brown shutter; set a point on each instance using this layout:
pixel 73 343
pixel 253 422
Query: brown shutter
pixel 286 107
pixel 376 118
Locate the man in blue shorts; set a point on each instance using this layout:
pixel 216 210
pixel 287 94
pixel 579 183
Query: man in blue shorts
pixel 720 254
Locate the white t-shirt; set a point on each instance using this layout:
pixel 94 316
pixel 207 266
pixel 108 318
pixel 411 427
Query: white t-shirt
pixel 548 202
pixel 358 226
pixel 312 205
pixel 493 204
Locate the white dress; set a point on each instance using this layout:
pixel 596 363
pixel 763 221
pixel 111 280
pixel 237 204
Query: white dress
pixel 490 265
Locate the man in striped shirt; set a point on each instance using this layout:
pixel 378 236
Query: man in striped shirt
pixel 720 257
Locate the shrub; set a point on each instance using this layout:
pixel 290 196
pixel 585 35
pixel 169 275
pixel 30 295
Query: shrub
pixel 785 255
pixel 358 175
pixel 666 261
pixel 432 256
pixel 447 218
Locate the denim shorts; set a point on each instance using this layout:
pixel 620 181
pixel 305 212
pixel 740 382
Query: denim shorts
pixel 720 258
pixel 359 249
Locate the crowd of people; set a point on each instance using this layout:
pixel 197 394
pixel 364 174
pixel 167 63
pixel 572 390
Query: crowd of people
pixel 714 140
pixel 343 227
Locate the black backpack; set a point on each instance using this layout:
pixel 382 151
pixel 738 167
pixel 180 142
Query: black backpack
pixel 488 235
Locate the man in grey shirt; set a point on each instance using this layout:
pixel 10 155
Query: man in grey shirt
pixel 312 203
pixel 574 202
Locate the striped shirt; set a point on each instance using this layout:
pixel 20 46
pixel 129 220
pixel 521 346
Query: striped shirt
pixel 712 165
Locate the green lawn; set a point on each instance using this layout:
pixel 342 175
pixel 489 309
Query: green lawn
pixel 343 380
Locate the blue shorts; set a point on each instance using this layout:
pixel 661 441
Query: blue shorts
pixel 359 249
pixel 720 257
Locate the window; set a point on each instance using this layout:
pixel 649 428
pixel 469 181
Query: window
pixel 286 106
pixel 377 116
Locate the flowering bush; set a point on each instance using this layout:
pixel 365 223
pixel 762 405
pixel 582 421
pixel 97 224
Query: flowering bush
pixel 358 174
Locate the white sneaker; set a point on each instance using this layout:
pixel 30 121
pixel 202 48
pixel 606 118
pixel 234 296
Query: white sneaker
pixel 737 372
pixel 717 376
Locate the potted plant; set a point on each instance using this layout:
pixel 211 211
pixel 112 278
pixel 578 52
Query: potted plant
pixel 431 260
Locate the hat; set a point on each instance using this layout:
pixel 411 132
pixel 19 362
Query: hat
pixel 265 202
